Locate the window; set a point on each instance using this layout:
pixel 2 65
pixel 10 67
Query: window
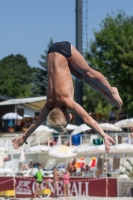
pixel 20 111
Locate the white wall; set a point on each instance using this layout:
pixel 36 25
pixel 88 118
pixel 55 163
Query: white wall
pixel 27 110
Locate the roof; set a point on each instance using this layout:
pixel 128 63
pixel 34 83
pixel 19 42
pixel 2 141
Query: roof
pixel 36 103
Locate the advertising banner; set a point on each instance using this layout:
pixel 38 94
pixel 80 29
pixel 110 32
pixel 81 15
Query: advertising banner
pixel 25 186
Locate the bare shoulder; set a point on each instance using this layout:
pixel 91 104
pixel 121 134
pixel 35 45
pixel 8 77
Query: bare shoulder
pixel 75 107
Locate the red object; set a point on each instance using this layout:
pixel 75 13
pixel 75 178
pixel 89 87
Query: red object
pixel 25 187
pixel 93 162
pixel 6 159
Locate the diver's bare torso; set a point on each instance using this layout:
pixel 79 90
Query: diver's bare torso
pixel 60 84
pixel 61 91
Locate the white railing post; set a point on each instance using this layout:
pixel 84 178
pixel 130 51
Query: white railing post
pixel 81 140
pixel 116 138
pixel 129 139
pixel 70 140
pixel 59 140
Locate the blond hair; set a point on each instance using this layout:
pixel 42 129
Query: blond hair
pixel 56 120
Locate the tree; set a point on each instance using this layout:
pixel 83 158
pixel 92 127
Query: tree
pixel 15 76
pixel 128 170
pixel 94 103
pixel 111 53
pixel 40 76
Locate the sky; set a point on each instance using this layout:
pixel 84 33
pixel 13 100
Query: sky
pixel 26 26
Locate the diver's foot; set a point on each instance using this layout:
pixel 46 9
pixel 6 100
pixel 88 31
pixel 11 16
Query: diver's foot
pixel 117 101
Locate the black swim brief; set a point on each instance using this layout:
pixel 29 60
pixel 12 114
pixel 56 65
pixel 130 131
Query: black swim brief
pixel 38 182
pixel 63 48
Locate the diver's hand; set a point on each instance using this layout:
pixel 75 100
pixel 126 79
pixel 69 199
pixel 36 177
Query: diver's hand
pixel 108 140
pixel 18 142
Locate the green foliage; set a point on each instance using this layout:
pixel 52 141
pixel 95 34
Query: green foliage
pixel 129 170
pixel 103 110
pixel 40 76
pixel 94 103
pixel 111 53
pixel 15 76
pixel 44 56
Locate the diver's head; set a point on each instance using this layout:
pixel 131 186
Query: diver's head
pixel 58 119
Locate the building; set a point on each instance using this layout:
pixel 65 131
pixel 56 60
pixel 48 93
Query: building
pixel 22 106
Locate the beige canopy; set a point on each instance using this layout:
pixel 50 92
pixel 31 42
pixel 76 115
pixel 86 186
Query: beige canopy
pixel 35 103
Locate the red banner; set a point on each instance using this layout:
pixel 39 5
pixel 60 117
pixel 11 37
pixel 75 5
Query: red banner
pixel 25 186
